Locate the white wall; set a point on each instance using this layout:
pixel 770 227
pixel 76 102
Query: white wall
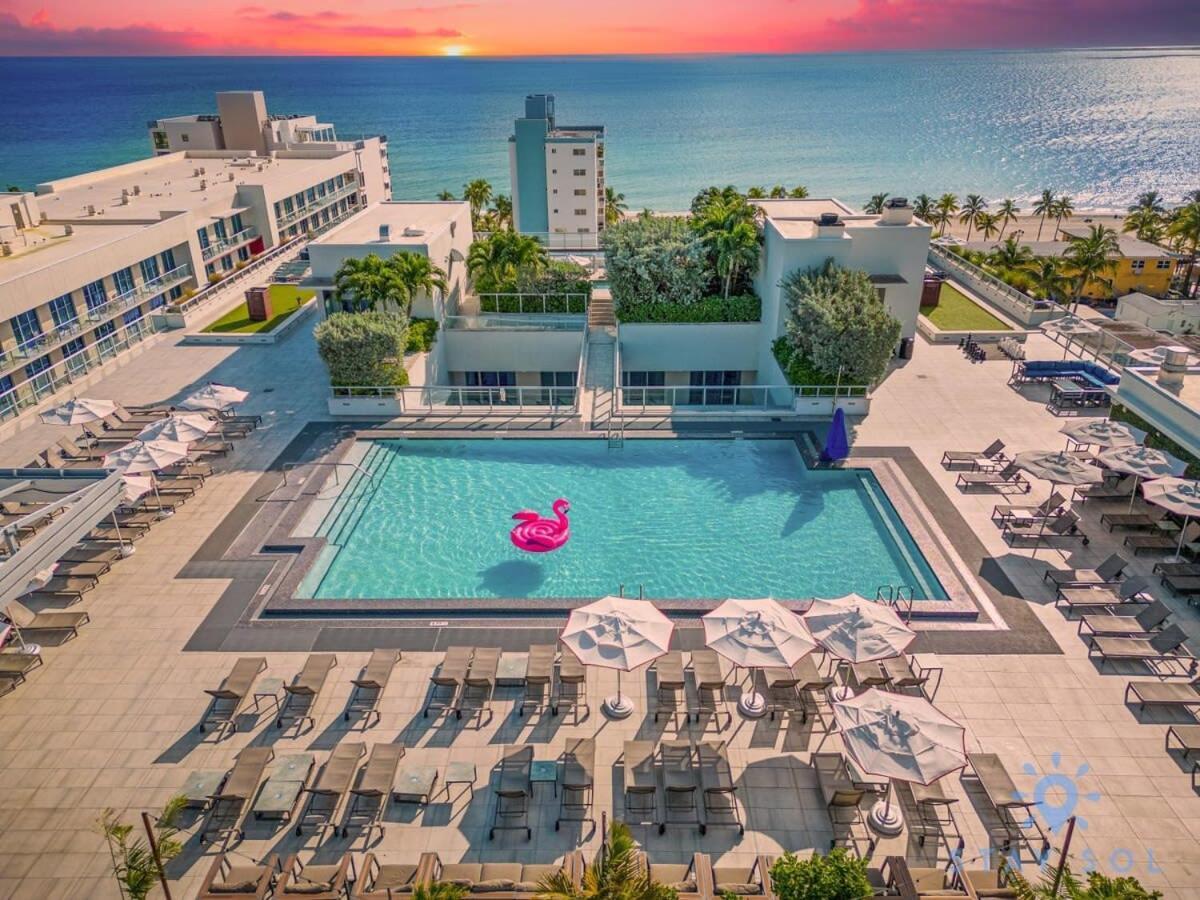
pixel 1176 419
pixel 511 351
pixel 561 164
pixel 685 346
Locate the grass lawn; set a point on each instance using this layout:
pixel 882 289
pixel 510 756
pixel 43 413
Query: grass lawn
pixel 957 312
pixel 285 300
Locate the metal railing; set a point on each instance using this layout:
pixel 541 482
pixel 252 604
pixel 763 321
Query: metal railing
pixel 144 291
pixel 952 262
pixel 515 322
pixel 520 303
pixel 232 242
pixel 186 304
pixel 558 240
pixel 445 399
pixel 725 398
pixel 315 206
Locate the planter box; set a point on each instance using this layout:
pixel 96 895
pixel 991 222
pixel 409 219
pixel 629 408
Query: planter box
pixel 853 406
pixel 814 406
pixel 366 407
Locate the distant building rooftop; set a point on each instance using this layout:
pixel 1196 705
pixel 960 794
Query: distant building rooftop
pixel 1129 246
pixel 421 220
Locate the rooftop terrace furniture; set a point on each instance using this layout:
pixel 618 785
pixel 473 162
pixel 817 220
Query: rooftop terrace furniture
pixel 1177 568
pixel 906 672
pixel 753 880
pixel 1107 573
pixel 989 772
pixel 1005 512
pixel 71 450
pixel 935 815
pixel 842 798
pixel 514 790
pixel 578 782
pixel 1183 585
pixel 641 783
pixel 1038 532
pixel 677 763
pixel 670 694
pixel 686 879
pixel 1121 489
pixel 316 882
pixel 1167 646
pixel 781 687
pixel 371 683
pixel 1036 370
pixel 497 880
pixel 570 687
pixel 27 620
pixel 1161 543
pixel 539 678
pixel 710 686
pixel 479 685
pixel 301 695
pixel 19 663
pixel 238 876
pixel 286 781
pixel 232 800
pixel 229 698
pixel 1184 694
pixel 9 681
pixel 20 509
pixel 1008 477
pixel 333 781
pixel 385 881
pixel 718 789
pixel 113 534
pixel 446 680
pixel 82 569
pixel 1142 623
pixel 375 782
pixel 1127 521
pixel 970 458
pixel 73 586
pixel 1187 737
pixel 84 552
pixel 1124 595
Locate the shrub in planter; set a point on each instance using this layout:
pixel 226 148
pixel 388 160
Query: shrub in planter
pixel 214 278
pixel 655 260
pixel 739 308
pixel 364 348
pixel 834 876
pixel 421 333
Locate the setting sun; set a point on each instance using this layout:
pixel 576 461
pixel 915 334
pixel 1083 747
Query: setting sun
pixel 455 50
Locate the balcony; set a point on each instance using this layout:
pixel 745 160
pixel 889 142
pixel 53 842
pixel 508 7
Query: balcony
pixel 317 205
pixel 226 245
pixel 143 291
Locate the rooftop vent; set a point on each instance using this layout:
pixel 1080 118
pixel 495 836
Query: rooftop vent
pixel 124 196
pixel 830 226
pixel 91 210
pixel 896 211
pixel 414 232
pixel 68 230
pixel 137 190
pixel 203 184
pixel 828 219
pixel 385 233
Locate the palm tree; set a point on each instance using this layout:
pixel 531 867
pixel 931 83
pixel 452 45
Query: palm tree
pixel 988 224
pixel 419 274
pixel 923 208
pixel 947 206
pixel 1044 207
pixel 1146 224
pixel 1047 278
pixel 1185 231
pixel 1091 258
pixel 446 195
pixel 646 213
pixel 614 874
pixel 502 210
pixel 971 208
pixel 1149 201
pixel 478 193
pixel 1063 208
pixel 1191 197
pixel 437 890
pixel 711 195
pixel 614 205
pixel 756 193
pixel 1007 212
pixel 778 192
pixel 497 261
pixel 874 206
pixel 799 192
pixel 371 283
pixel 1011 255
pixel 735 249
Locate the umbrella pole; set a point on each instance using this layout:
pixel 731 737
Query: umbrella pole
pixel 125 550
pixel 1132 497
pixel 752 704
pixel 617 707
pixel 883 818
pixel 1182 534
pixel 162 513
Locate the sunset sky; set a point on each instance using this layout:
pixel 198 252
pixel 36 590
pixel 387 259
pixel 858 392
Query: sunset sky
pixel 541 27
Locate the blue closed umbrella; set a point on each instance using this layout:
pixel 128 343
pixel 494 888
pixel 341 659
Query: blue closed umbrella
pixel 837 443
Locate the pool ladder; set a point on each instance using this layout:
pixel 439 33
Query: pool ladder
pixel 899 597
pixel 616 436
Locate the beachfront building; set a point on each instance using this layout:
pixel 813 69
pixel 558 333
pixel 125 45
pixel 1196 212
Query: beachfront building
pixel 1170 314
pixel 241 123
pixel 557 174
pixel 88 263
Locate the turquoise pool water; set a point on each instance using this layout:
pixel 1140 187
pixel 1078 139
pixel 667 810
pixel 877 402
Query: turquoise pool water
pixel 684 519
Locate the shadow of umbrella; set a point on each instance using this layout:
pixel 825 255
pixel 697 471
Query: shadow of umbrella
pixel 512 578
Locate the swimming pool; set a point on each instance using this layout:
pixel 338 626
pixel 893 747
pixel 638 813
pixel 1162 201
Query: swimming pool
pixel 683 519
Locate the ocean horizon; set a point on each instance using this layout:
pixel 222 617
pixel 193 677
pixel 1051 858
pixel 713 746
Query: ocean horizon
pixel 1101 124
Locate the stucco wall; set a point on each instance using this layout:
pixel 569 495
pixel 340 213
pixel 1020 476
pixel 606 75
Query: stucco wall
pixel 685 347
pixel 507 351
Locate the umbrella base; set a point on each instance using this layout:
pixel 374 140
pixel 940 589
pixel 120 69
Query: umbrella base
pixel 840 693
pixel 753 705
pixel 617 707
pixel 885 818
pixel 126 551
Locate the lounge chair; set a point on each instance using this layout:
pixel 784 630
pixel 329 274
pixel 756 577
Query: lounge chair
pixel 578 782
pixel 842 798
pixel 71 450
pixel 232 800
pixel 82 569
pixel 370 684
pixel 1124 595
pixel 286 781
pixel 1180 694
pixel 683 878
pixel 20 509
pixel 1132 521
pixel 375 782
pixel 997 785
pixel 1143 623
pixel 1044 531
pixel 73 586
pixel 447 679
pixel 905 672
pixel 99 553
pixel 710 686
pixel 971 458
pixel 1121 489
pixel 112 534
pixel 1004 512
pixel 300 697
pixel 1183 585
pixel 1164 647
pixel 539 679
pixel 1107 573
pixel 1178 569
pixel 1008 477
pixel 479 685
pixel 677 761
pixel 316 882
pixel 9 682
pixel 494 879
pixel 641 783
pixel 334 780
pixel 670 694
pixel 27 620
pixel 514 790
pixel 19 663
pixel 231 695
pixel 1187 739
pixel 570 688
pixel 384 881
pixel 740 881
pixel 241 878
pixel 718 790
pixel 1161 543
pixel 935 815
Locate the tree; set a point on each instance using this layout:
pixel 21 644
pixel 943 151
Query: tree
pixel 656 260
pixel 1185 231
pixel 437 890
pixel 838 323
pixel 923 208
pixel 947 206
pixel 502 210
pixel 614 205
pixel 835 876
pixel 1146 224
pixel 1149 201
pixel 875 205
pixel 711 194
pixel 363 349
pixel 478 193
pixel 988 224
pixel 371 283
pixel 1010 255
pixel 446 195
pixel 1063 208
pixel 134 866
pixel 1047 279
pixel 778 192
pixel 735 250
pixel 615 873
pixel 756 193
pixel 1091 258
pixel 1098 887
pixel 495 262
pixel 418 274
pixel 1007 213
pixel 799 192
pixel 972 207
pixel 1044 207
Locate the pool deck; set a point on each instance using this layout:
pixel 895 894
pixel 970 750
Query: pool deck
pixel 109 720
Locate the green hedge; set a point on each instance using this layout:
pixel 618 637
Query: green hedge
pixel 1155 439
pixel 421 333
pixel 532 305
pixel 796 368
pixel 740 308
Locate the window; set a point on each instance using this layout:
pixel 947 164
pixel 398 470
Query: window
pixel 39 365
pixel 70 348
pixel 123 281
pixel 149 267
pixel 62 310
pixel 226 263
pixel 288 206
pixel 556 212
pixel 709 380
pixel 491 380
pixel 26 326
pixel 581 171
pixel 219 229
pixel 558 379
pixel 202 234
pixel 581 212
pixel 553 149
pixel 639 381
pixel 184 138
pixel 94 294
pixel 132 315
pixel 1137 265
pixel 1163 264
pixel 168 260
pixel 160 140
pixel 105 330
pixel 554 191
pixel 579 151
pixel 243 253
pixel 310 195
pixel 580 192
pixel 235 222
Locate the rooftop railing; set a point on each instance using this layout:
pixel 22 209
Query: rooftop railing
pixel 452 400
pixel 141 292
pixel 1017 302
pixel 533 304
pixel 730 398
pixel 556 240
pixel 515 322
pixel 314 206
pixel 232 242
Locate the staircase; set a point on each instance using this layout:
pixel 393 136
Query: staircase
pixel 600 310
pixel 597 401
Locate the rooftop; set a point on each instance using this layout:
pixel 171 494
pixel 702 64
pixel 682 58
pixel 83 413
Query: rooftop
pixel 807 208
pixel 49 245
pixel 428 218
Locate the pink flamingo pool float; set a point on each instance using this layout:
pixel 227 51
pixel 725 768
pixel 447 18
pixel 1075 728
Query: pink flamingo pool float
pixel 538 535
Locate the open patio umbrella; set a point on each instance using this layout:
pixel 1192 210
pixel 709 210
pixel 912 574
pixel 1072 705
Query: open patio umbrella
pixel 79 411
pixel 1143 463
pixel 137 486
pixel 1104 433
pixel 215 396
pixel 855 629
pixel 137 457
pixel 756 634
pixel 617 633
pixel 1057 467
pixel 897 736
pixel 182 427
pixel 1069 326
pixel 1178 495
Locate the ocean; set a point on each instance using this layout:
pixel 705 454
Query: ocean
pixel 1101 125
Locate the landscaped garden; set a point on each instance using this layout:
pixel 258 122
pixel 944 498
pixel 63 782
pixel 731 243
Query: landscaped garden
pixel 955 311
pixel 285 300
pixel 513 273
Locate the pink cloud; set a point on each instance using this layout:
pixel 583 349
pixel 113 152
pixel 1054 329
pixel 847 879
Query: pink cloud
pixel 41 38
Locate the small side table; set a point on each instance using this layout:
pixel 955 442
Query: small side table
pixel 414 784
pixel 461 773
pixel 544 771
pixel 267 689
pixel 200 787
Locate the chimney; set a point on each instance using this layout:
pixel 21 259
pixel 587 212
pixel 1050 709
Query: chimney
pixel 385 233
pixel 830 226
pixel 1174 367
pixel 896 212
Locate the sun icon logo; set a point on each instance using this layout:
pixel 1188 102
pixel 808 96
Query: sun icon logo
pixel 1056 794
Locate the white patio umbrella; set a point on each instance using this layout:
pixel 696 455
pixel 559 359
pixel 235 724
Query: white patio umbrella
pixel 1104 433
pixel 137 486
pixel 182 427
pixel 855 629
pixel 1143 463
pixel 756 634
pixel 1069 326
pixel 147 456
pixel 1178 495
pixel 617 633
pixel 897 736
pixel 79 411
pixel 1057 467
pixel 215 396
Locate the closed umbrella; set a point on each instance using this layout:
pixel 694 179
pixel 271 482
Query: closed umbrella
pixel 79 411
pixel 182 427
pixel 1143 463
pixel 215 396
pixel 897 736
pixel 756 634
pixel 1057 467
pixel 1178 495
pixel 1104 433
pixel 147 456
pixel 617 633
pixel 855 629
pixel 137 486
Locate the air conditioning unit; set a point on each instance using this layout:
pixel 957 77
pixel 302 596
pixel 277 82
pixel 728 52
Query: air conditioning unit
pixel 385 233
pixel 203 185
pixel 414 232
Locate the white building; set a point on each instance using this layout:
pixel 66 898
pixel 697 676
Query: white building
pixel 1172 315
pixel 241 123
pixel 1167 398
pixel 557 176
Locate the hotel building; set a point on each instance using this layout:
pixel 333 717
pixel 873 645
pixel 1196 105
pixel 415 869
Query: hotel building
pixel 89 263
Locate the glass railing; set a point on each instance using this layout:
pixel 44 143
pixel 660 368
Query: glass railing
pixel 316 205
pixel 533 304
pixel 718 398
pixel 142 292
pixel 223 246
pixel 515 322
pixel 442 399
